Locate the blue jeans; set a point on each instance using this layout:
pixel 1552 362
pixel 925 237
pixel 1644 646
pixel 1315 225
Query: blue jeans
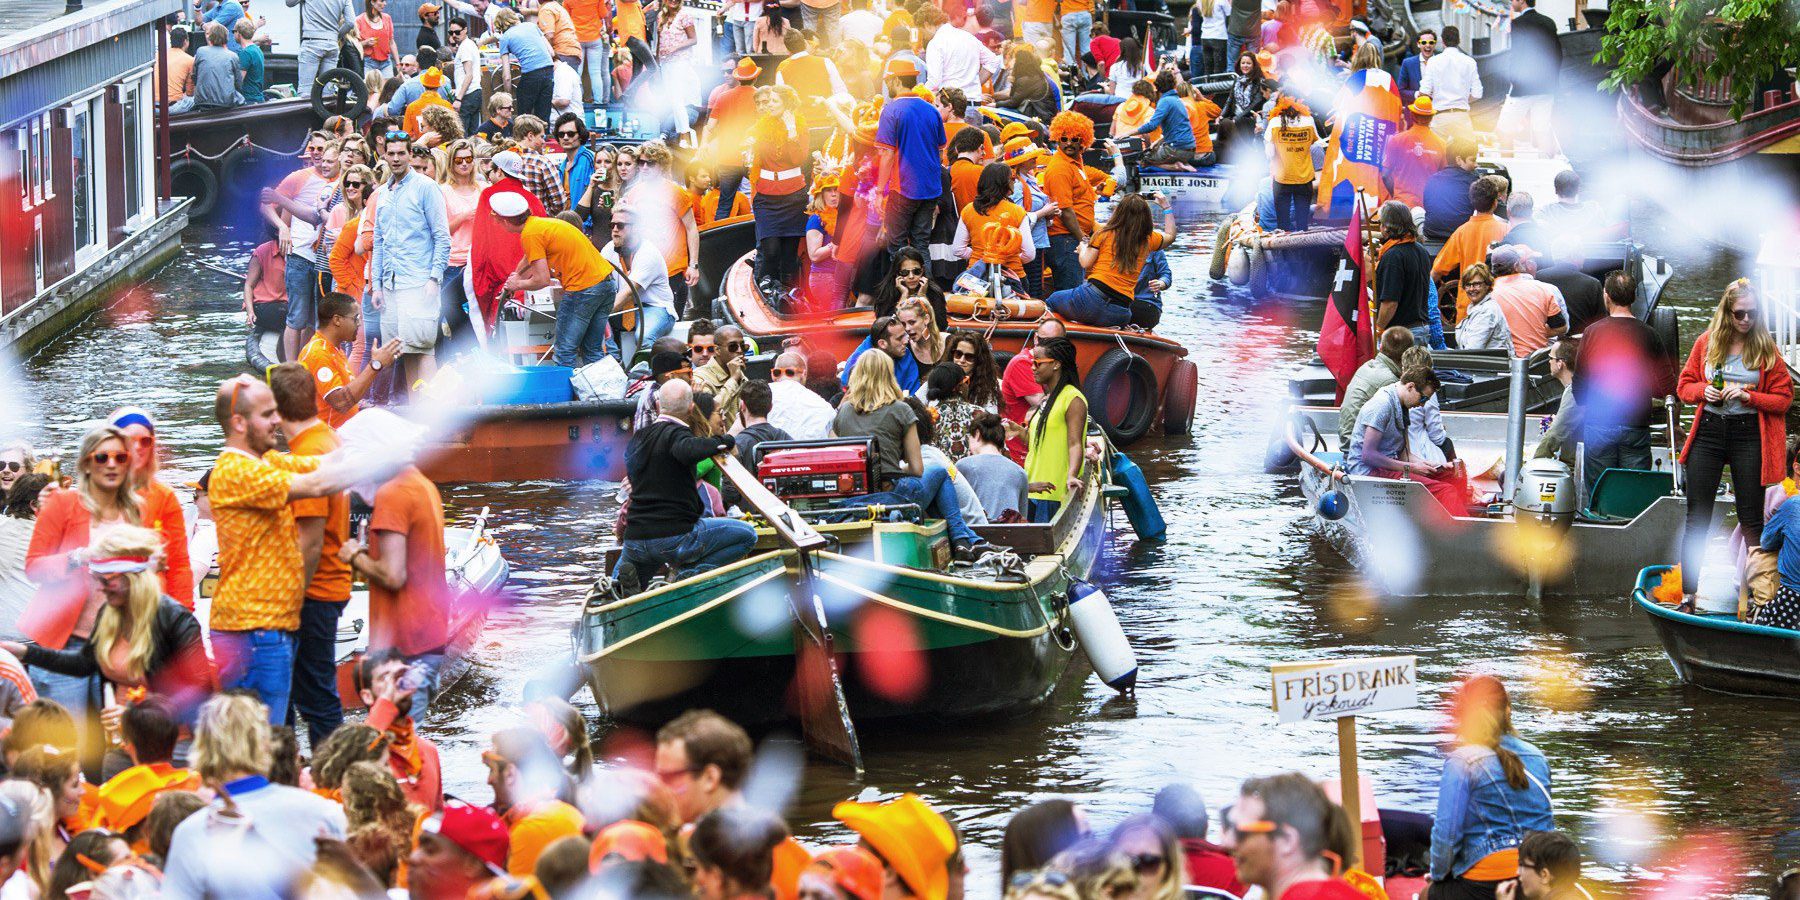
pixel 1077 29
pixel 433 665
pixel 1293 206
pixel 712 543
pixel 1065 262
pixel 740 33
pixel 934 490
pixel 75 692
pixel 302 293
pixel 1612 447
pixel 1085 303
pixel 260 661
pixel 657 322
pixel 1235 45
pixel 1042 512
pixel 581 324
pixel 453 311
pixel 315 693
pixel 908 224
pixel 597 72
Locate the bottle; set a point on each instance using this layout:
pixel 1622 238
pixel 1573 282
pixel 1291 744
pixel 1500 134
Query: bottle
pixel 1718 379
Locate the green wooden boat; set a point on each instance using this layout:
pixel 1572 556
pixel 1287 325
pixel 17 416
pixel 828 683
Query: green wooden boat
pixel 915 636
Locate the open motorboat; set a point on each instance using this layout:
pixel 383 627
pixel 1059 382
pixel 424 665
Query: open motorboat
pixel 1718 652
pixel 1534 534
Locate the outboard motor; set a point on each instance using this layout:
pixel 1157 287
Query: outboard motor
pixel 1546 492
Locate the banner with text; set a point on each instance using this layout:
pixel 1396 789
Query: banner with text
pixel 1331 689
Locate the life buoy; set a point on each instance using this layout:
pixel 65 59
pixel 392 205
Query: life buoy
pixel 1121 395
pixel 193 178
pixel 1179 398
pixel 339 92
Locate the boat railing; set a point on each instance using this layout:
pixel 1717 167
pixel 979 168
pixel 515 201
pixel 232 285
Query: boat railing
pixel 1304 455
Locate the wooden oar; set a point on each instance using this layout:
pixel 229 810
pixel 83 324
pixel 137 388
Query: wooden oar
pixel 824 720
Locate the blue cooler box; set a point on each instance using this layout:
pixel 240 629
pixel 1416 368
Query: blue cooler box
pixel 507 385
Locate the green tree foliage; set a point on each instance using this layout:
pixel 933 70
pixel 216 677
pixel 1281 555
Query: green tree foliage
pixel 1744 40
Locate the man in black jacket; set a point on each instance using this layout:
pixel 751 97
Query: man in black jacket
pixel 1534 62
pixel 663 521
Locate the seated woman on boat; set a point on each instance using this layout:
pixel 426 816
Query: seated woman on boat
pixel 910 277
pixel 1113 258
pixel 1737 378
pixel 874 406
pixel 1484 326
pixel 1494 791
pixel 1053 436
pixel 1378 442
pixel 1782 536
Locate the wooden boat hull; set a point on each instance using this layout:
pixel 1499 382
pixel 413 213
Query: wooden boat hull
pixel 840 332
pixel 242 150
pixel 537 442
pixel 1405 545
pixel 1719 653
pixel 912 642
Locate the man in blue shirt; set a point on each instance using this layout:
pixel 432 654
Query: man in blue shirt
pixel 910 139
pixel 406 265
pixel 524 42
pixel 1146 304
pixel 1446 194
pixel 251 56
pixel 889 336
pixel 1177 144
pixel 226 13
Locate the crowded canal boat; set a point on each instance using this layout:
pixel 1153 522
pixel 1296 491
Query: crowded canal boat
pixel 567 449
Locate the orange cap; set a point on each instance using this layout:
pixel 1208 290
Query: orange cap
pixel 432 79
pixel 1014 130
pixel 901 67
pixel 853 869
pixel 630 840
pixel 914 839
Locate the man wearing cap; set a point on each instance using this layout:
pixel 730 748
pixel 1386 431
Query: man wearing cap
pixel 428 26
pixel 663 521
pixel 731 113
pixel 414 86
pixel 917 847
pixel 668 361
pixel 1534 311
pixel 1412 156
pixel 557 251
pixel 459 849
pixel 433 81
pixel 853 871
pixel 910 145
pixel 627 841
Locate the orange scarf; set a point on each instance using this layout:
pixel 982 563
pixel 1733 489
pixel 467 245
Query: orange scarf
pixel 403 746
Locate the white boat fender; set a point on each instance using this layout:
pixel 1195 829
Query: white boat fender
pixel 1101 636
pixel 1237 264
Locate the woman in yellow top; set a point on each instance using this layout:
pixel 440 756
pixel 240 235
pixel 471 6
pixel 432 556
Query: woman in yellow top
pixel 1291 134
pixel 1054 434
pixel 989 232
pixel 1114 258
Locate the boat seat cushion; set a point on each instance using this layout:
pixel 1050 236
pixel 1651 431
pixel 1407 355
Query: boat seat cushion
pixel 1623 494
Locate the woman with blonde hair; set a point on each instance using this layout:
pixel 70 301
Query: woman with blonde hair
pixel 141 638
pixel 161 509
pixel 441 126
pixel 1740 385
pixel 921 325
pixel 462 196
pixel 39 813
pixel 874 406
pixel 58 773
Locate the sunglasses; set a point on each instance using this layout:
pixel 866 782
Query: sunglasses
pixel 960 354
pixel 1742 315
pixel 398 135
pixel 1052 878
pixel 1147 862
pixel 355 184
pixel 1253 826
pixel 12 465
pixel 111 459
pixel 700 348
pixel 783 373
pixel 735 346
pixel 1428 43
pixel 507 108
pixel 912 273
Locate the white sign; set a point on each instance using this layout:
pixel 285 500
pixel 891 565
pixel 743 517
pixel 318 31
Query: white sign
pixel 1332 689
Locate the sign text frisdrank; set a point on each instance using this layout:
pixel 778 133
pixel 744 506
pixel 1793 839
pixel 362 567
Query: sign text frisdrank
pixel 1331 689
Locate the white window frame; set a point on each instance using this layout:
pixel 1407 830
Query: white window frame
pixel 93 106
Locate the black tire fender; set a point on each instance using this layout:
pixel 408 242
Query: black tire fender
pixel 1179 398
pixel 1122 379
pixel 194 178
pixel 1667 327
pixel 331 96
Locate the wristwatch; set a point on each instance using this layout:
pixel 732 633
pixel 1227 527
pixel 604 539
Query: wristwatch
pixel 375 364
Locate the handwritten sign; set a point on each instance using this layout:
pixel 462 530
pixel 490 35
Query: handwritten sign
pixel 1331 689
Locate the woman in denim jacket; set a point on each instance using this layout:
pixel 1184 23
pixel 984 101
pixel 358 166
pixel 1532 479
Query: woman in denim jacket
pixel 1495 789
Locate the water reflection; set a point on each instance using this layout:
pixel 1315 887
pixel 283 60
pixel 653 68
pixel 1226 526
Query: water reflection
pixel 1240 584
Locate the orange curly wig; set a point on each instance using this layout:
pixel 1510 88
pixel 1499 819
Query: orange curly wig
pixel 1069 123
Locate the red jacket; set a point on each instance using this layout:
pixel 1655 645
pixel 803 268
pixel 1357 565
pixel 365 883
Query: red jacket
pixel 62 527
pixel 1773 395
pixel 1208 865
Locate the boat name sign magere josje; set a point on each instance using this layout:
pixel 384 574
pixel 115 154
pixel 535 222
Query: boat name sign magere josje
pixel 1329 689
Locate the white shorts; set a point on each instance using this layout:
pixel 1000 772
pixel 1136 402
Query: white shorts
pixel 1039 34
pixel 1530 117
pixel 416 312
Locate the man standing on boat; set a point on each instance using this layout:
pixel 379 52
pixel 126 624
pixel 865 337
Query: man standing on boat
pixel 412 249
pixel 1452 83
pixel 322 24
pixel 557 251
pixel 409 594
pixel 663 525
pixel 910 143
pixel 1621 370
pixel 1534 63
pixel 1412 71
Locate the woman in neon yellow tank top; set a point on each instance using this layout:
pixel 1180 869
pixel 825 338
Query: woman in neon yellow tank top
pixel 1054 434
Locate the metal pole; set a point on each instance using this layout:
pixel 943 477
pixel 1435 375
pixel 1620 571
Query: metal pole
pixel 161 108
pixel 1515 426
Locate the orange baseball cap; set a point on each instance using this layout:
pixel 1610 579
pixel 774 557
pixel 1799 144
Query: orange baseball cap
pixel 853 869
pixel 901 67
pixel 432 79
pixel 915 840
pixel 630 840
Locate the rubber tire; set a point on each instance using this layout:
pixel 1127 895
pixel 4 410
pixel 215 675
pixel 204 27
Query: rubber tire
pixel 1118 369
pixel 1221 253
pixel 205 186
pixel 254 357
pixel 357 88
pixel 1667 327
pixel 1180 397
pixel 1001 359
pixel 241 170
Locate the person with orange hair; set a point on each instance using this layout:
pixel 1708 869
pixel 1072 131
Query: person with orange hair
pixel 1066 183
pixel 1494 791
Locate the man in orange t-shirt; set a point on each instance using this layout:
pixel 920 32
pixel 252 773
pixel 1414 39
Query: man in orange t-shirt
pixel 323 524
pixel 339 393
pixel 1469 243
pixel 1413 156
pixel 409 598
pixel 1065 180
pixel 525 800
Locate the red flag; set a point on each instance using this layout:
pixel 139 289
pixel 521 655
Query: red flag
pixel 1346 337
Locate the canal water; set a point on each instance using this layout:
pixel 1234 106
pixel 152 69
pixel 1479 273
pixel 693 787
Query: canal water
pixel 1641 765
